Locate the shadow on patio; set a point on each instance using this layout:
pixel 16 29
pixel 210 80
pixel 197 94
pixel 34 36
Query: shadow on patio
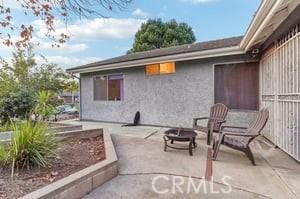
pixel 142 159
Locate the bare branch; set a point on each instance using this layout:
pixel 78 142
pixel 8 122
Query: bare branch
pixel 48 11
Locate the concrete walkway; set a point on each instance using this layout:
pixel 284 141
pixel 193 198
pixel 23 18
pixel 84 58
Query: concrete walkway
pixel 143 162
pixel 5 135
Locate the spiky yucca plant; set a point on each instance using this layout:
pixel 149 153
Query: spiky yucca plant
pixel 31 145
pixel 43 108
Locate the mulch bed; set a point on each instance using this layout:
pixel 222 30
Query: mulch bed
pixel 72 156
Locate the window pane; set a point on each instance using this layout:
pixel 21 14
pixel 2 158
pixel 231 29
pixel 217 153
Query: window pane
pixel 115 87
pixel 100 88
pixel 237 85
pixel 166 68
pixel 152 69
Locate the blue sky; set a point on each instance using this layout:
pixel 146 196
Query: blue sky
pixel 94 39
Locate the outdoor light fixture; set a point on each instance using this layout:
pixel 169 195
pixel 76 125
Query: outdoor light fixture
pixel 254 52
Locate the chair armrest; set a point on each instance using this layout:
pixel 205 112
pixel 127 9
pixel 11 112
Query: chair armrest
pixel 234 127
pixel 195 120
pixel 200 118
pixel 239 134
pixel 221 121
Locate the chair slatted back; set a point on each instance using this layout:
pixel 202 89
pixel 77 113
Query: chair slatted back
pixel 259 123
pixel 218 112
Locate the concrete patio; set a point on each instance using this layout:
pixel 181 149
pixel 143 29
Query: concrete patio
pixel 142 159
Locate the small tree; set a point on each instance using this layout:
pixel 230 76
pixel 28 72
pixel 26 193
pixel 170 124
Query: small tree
pixel 20 80
pixel 7 83
pixel 17 74
pixel 49 77
pixel 22 63
pixel 43 108
pixel 156 34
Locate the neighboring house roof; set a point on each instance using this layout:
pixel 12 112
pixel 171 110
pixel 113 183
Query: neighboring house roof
pixel 191 49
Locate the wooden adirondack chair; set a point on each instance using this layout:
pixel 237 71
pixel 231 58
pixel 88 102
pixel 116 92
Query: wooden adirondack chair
pixel 218 113
pixel 239 138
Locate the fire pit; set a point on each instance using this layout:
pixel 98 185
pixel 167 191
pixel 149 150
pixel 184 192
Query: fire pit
pixel 180 135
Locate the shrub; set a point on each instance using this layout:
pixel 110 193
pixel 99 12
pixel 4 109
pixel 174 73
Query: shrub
pixel 30 146
pixel 17 104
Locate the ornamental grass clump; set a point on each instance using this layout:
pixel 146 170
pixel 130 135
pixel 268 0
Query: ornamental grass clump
pixel 2 154
pixel 30 146
pixel 5 127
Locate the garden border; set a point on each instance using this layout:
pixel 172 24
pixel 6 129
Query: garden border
pixel 63 127
pixel 84 181
pixel 60 127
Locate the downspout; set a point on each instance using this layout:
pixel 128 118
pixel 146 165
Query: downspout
pixel 80 107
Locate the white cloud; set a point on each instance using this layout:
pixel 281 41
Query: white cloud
pixel 122 49
pixel 66 61
pixel 61 61
pixel 5 49
pixel 13 4
pixel 198 1
pixel 41 45
pixel 98 28
pixel 140 13
pixel 161 14
pixel 64 48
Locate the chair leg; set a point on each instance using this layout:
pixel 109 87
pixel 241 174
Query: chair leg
pixel 191 147
pixel 194 143
pixel 166 144
pixel 250 155
pixel 216 149
pixel 208 138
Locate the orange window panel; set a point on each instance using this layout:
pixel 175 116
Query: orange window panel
pixel 152 69
pixel 168 67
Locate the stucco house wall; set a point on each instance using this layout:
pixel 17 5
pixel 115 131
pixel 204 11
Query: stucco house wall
pixel 164 100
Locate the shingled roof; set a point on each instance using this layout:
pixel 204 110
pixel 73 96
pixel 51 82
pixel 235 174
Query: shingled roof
pixel 187 48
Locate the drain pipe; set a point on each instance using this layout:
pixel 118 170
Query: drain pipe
pixel 79 79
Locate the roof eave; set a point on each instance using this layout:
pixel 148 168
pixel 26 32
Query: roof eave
pixel 267 19
pixel 234 50
pixel 262 17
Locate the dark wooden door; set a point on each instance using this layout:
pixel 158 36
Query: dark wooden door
pixel 237 85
